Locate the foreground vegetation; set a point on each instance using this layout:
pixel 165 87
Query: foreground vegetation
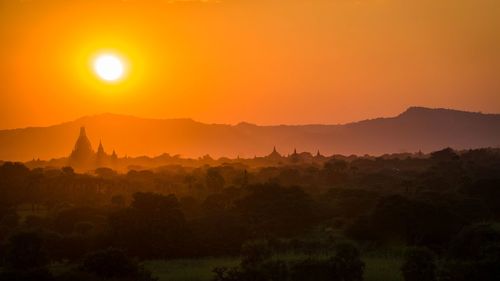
pixel 381 268
pixel 396 217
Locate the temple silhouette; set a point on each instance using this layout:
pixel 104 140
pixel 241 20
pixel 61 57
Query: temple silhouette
pixel 83 156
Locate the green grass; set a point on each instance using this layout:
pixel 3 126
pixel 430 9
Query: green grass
pixel 188 269
pixel 381 268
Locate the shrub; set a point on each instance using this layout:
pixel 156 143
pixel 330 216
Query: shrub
pixel 483 268
pixel 312 269
pixel 35 274
pixel 472 239
pixel 227 274
pixel 275 270
pixel 266 271
pixel 77 275
pixel 257 265
pixel 115 264
pixel 254 252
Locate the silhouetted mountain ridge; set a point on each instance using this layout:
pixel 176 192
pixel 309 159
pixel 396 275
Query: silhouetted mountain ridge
pixel 417 128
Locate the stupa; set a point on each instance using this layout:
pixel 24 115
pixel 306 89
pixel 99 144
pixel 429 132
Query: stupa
pixel 82 153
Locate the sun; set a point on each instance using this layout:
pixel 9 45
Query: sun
pixel 109 67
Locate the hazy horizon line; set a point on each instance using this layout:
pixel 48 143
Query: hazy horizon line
pixel 246 122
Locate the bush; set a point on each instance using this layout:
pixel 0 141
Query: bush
pixel 274 270
pixel 257 265
pixel 266 271
pixel 347 262
pixel 254 252
pixel 35 274
pixel 472 239
pixel 77 275
pixel 312 269
pixel 419 265
pixel 484 268
pixel 227 274
pixel 115 264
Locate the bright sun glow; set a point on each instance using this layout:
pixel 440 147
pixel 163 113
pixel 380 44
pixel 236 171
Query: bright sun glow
pixel 109 67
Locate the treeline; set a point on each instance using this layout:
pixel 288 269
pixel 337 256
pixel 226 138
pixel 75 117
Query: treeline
pixel 446 207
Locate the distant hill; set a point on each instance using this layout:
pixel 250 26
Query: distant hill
pixel 415 129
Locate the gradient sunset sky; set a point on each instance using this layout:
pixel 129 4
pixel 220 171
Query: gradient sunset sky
pixel 265 62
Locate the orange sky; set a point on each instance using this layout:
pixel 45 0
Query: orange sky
pixel 266 62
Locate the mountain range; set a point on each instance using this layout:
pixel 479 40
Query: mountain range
pixel 416 129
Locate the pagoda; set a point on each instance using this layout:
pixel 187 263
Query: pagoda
pixel 275 156
pixel 101 156
pixel 82 154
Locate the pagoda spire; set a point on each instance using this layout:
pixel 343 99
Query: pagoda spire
pixel 82 151
pixel 83 133
pixel 274 155
pixel 114 157
pixel 100 149
pixel 295 157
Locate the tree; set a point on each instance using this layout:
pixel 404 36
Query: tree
pixel 473 239
pixel 274 210
pixel 419 265
pixel 444 155
pixel 414 221
pixel 33 274
pixel 118 201
pixel 104 172
pixel 25 251
pixel 114 264
pixel 254 253
pixel 336 165
pixel 347 262
pixel 214 180
pixel 152 227
pixel 474 254
pixel 13 183
pixel 312 270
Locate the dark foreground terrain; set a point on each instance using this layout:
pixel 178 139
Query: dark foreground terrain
pixel 397 217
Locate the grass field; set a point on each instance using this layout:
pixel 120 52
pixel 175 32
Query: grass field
pixel 377 268
pixel 188 270
pixel 382 269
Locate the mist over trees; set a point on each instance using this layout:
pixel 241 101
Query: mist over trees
pixel 442 206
